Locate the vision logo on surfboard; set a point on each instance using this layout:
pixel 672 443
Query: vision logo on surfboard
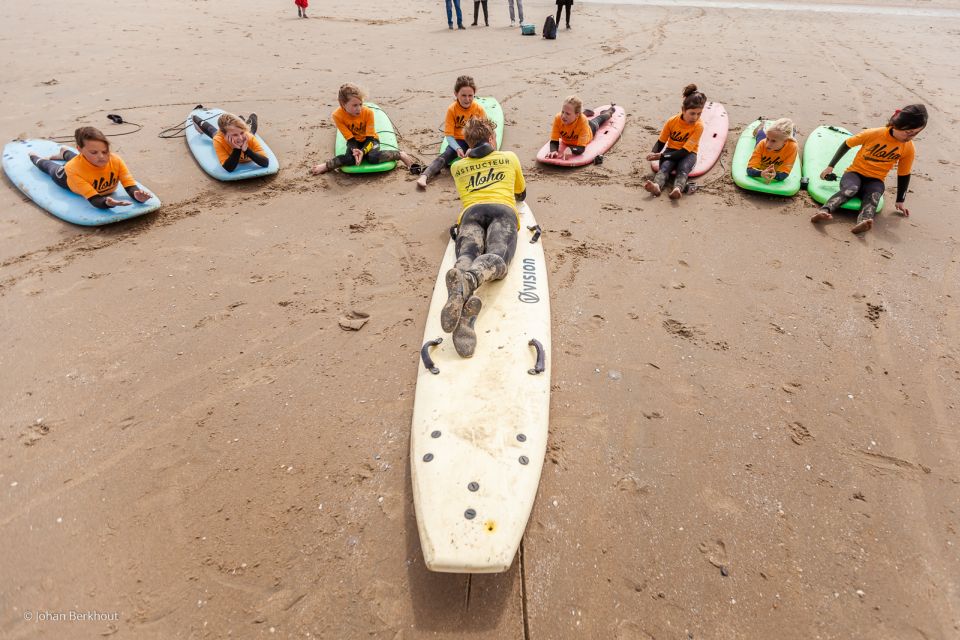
pixel 528 292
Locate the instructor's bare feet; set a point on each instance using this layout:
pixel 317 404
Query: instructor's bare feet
pixel 652 187
pixel 820 216
pixel 676 194
pixel 861 227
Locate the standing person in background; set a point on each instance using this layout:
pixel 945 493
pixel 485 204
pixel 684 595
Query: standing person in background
pixel 519 11
pixel 560 5
pixel 476 12
pixel 302 8
pixel 456 4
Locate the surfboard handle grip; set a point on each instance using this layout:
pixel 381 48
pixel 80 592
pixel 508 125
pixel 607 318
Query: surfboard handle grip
pixel 541 358
pixel 453 232
pixel 425 355
pixel 537 231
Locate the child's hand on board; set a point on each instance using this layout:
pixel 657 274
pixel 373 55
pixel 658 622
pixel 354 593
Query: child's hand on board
pixel 141 195
pixel 768 174
pixel 357 156
pixel 567 153
pixel 902 209
pixel 461 153
pixel 825 173
pixel 653 156
pixel 553 154
pixel 113 202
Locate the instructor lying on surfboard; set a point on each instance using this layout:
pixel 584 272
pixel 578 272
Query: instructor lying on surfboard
pixel 489 182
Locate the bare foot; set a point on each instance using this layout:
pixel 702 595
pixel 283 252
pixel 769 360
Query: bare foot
pixel 422 181
pixel 652 187
pixel 318 169
pixel 676 193
pixel 820 216
pixel 861 227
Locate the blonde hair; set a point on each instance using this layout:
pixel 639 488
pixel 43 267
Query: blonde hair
pixel 478 130
pixel 575 102
pixel 784 126
pixel 347 91
pixel 229 120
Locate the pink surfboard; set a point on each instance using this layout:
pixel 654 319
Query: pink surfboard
pixel 715 127
pixel 606 136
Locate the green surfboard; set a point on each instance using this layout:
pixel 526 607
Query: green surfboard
pixel 388 141
pixel 741 157
pixel 494 112
pixel 817 153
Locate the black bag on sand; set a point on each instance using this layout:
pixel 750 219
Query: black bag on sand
pixel 550 28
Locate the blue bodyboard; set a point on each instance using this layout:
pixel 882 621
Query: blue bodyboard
pixel 63 203
pixel 202 147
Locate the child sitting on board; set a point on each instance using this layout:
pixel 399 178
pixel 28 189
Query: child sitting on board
pixel 775 153
pixel 234 140
pixel 573 129
pixel 681 136
pixel 462 109
pixel 486 237
pixel 355 121
pixel 94 172
pixel 880 150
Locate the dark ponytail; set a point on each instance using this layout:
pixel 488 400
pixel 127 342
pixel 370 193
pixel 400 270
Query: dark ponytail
pixel 912 116
pixel 693 99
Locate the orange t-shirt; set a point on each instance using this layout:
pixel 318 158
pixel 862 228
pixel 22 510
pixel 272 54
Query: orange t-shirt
pixel 457 116
pixel 577 134
pixel 879 151
pixel 782 159
pixel 87 180
pixel 357 127
pixel 677 134
pixel 224 149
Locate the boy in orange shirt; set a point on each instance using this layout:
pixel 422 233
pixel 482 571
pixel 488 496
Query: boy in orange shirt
pixel 355 122
pixel 776 152
pixel 681 136
pixel 94 173
pixel 462 109
pixel 234 140
pixel 573 129
pixel 880 150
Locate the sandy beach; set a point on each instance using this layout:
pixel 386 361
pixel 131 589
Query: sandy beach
pixel 754 420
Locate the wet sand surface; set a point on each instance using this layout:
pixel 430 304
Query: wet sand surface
pixel 753 420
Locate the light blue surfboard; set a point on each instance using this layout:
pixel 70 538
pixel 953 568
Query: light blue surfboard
pixel 206 155
pixel 63 203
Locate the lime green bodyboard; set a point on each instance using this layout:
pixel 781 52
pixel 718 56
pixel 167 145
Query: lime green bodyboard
pixel 817 154
pixel 388 142
pixel 494 112
pixel 741 158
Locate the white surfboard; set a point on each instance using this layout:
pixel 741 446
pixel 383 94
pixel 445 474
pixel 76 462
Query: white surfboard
pixel 479 432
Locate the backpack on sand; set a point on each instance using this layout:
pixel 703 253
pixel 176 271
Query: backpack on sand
pixel 550 28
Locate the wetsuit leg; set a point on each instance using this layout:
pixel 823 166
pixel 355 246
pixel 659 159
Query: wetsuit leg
pixel 759 135
pixel 870 194
pixel 599 120
pixel 471 237
pixel 496 225
pixel 346 159
pixel 449 155
pixel 850 185
pixel 666 167
pixel 54 169
pixel 684 167
pixel 205 126
pixel 378 155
